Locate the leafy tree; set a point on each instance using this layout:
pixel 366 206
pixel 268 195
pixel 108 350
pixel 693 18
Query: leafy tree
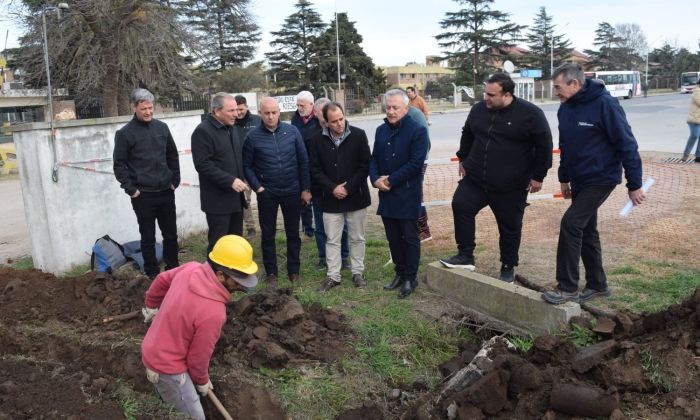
pixel 294 64
pixel 669 62
pixel 540 38
pixel 440 88
pixel 240 79
pixel 358 67
pixel 476 38
pixel 99 51
pixel 225 31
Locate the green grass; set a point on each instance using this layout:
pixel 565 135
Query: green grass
pixel 655 371
pixel 137 405
pixel 522 343
pixel 23 264
pixel 651 286
pixel 581 336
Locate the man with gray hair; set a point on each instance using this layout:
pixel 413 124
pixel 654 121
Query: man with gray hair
pixel 217 153
pixel 596 143
pixel 400 146
pixel 306 121
pixel 147 165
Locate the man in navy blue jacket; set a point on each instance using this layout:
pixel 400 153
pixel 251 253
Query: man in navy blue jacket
pixel 400 146
pixel 277 168
pixel 596 142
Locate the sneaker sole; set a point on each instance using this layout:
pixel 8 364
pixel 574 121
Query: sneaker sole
pixel 560 301
pixel 469 267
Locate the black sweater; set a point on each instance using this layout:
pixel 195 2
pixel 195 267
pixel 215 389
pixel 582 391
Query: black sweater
pixel 145 157
pixel 502 150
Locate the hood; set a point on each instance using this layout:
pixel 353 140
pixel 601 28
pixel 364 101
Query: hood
pixel 205 284
pixel 590 91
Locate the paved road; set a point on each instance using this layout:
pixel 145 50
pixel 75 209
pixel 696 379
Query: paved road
pixel 658 123
pixel 14 235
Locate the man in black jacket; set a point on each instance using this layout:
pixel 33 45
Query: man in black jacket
pixel 217 154
pixel 147 166
pixel 245 122
pixel 504 153
pixel 339 167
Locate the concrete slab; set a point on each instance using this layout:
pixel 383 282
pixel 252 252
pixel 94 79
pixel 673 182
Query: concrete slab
pixel 509 303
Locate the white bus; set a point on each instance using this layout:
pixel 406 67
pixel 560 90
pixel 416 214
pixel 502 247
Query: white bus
pixel 689 80
pixel 620 84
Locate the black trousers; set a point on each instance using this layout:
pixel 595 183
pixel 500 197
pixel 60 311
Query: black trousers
pixel 579 240
pixel 404 245
pixel 223 224
pixel 149 208
pixel 508 207
pixel 267 216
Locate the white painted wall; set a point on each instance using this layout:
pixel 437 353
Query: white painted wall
pixel 66 217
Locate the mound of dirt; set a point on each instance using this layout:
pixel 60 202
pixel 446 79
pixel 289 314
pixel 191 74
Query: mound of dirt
pixel 648 369
pixel 59 360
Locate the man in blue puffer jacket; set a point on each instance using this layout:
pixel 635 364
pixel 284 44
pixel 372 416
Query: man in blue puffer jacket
pixel 277 168
pixel 596 142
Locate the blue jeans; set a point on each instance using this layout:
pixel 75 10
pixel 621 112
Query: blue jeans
pixel 694 136
pixel 320 232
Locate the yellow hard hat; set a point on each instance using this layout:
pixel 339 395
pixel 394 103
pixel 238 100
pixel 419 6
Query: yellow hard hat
pixel 235 253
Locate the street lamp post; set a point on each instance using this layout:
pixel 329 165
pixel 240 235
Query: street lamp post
pixel 54 171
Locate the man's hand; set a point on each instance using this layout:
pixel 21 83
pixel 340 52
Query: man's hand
pixel 306 197
pixel 462 171
pixel 148 314
pixel 136 194
pixel 259 190
pixel 204 389
pixel 152 376
pixel 238 185
pixel 382 183
pixel 340 192
pixel 534 186
pixel 637 196
pixel 172 187
pixel 565 189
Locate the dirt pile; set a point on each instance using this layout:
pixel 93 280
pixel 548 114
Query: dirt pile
pixel 58 359
pixel 645 366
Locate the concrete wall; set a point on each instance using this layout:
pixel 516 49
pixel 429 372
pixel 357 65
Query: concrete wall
pixel 66 217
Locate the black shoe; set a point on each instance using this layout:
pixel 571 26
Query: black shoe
pixel 321 264
pixel 251 233
pixel 588 294
pixel 408 287
pixel 697 159
pixel 394 283
pixel 346 265
pixel 507 273
pixel 459 261
pixel 359 281
pixel 327 285
pixel 309 233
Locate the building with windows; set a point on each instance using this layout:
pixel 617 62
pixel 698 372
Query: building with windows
pixel 416 75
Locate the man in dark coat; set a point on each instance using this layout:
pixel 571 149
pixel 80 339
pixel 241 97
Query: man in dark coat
pixel 146 164
pixel 218 158
pixel 400 146
pixel 504 153
pixel 246 121
pixel 596 143
pixel 339 167
pixel 306 121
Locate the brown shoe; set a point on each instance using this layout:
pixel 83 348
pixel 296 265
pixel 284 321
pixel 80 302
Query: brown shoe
pixel 271 281
pixel 359 281
pixel 327 285
pixel 294 278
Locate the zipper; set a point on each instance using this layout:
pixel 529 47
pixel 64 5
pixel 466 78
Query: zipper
pixel 486 148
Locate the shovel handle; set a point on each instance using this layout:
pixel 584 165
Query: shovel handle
pixel 218 405
pixel 122 317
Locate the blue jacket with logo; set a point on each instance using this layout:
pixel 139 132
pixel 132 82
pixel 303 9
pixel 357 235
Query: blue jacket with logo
pixel 596 141
pixel 399 151
pixel 276 160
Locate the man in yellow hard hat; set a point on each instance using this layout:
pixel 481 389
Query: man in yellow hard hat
pixel 190 305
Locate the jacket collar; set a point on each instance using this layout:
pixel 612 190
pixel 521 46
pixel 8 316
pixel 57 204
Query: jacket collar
pixel 141 123
pixel 216 123
pixel 346 133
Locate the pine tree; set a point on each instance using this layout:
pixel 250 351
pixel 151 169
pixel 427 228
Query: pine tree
pixel 225 31
pixel 474 36
pixel 359 69
pixel 295 63
pixel 540 38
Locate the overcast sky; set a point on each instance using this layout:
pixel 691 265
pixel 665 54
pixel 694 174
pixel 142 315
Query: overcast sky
pixel 399 31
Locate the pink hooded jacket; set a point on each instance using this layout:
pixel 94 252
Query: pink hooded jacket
pixel 188 324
